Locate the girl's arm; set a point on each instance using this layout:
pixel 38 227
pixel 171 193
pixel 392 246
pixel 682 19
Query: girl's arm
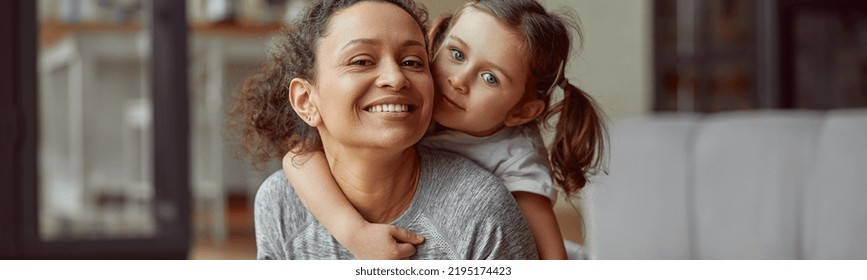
pixel 540 216
pixel 320 193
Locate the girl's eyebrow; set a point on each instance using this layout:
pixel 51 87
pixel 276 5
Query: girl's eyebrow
pixel 453 37
pixel 500 69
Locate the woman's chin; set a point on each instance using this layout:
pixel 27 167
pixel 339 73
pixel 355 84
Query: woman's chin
pixel 383 139
pixel 398 141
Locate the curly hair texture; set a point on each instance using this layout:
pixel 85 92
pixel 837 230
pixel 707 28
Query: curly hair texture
pixel 578 148
pixel 262 114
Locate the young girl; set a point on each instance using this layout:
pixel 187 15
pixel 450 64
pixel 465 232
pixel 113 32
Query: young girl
pixel 495 65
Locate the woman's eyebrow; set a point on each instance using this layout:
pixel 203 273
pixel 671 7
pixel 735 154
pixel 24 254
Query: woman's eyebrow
pixel 409 43
pixel 367 41
pixel 360 41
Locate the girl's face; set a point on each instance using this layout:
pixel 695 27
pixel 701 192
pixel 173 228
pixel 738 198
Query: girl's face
pixel 481 71
pixel 373 87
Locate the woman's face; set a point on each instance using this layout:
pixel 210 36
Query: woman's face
pixel 481 72
pixel 373 87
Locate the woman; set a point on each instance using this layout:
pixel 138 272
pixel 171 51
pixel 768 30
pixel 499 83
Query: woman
pixel 356 75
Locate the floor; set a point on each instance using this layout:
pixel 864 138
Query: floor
pixel 240 243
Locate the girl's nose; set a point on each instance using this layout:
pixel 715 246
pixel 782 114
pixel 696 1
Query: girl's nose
pixel 458 81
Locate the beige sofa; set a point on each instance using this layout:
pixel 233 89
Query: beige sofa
pixel 768 184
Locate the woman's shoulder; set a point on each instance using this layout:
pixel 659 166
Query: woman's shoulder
pixel 275 186
pixel 275 197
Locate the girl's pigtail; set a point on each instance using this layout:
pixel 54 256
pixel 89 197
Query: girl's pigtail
pixel 577 150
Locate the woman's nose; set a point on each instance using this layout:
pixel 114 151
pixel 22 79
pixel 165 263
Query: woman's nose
pixel 392 76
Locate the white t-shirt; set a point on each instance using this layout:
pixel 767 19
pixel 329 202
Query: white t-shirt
pixel 516 155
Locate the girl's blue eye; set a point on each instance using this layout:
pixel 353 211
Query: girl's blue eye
pixel 490 78
pixel 457 55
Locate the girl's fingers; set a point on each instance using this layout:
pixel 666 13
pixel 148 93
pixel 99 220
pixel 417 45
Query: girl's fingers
pixel 405 236
pixel 405 250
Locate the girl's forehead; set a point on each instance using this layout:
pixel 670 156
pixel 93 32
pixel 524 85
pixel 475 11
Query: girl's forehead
pixel 490 38
pixel 476 22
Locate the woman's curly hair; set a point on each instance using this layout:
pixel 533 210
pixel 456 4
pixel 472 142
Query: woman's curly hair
pixel 262 114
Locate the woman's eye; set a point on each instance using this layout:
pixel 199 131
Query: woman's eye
pixel 457 55
pixel 490 78
pixel 361 62
pixel 412 63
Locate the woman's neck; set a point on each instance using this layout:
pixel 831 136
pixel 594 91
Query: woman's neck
pixel 379 184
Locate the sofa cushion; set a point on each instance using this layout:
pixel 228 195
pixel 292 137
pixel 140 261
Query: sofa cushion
pixel 748 170
pixel 639 211
pixel 835 197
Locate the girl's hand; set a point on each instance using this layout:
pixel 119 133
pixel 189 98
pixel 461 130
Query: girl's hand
pixel 383 242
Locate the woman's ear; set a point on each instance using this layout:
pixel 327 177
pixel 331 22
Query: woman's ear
pixel 304 101
pixel 525 112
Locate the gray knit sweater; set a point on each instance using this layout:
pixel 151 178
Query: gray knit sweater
pixel 463 211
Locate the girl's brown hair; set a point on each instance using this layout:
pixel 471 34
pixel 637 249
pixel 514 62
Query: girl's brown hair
pixel 262 114
pixel 578 147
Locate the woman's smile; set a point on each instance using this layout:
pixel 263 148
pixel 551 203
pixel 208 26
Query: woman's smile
pixel 392 108
pixel 388 108
pixel 392 104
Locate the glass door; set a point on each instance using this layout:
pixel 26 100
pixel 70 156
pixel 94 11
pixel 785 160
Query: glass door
pixel 95 122
pixel 101 136
pixel 113 122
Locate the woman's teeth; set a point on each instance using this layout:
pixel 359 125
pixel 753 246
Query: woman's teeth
pixel 390 108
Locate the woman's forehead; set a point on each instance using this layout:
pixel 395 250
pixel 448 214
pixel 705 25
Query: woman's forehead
pixel 373 19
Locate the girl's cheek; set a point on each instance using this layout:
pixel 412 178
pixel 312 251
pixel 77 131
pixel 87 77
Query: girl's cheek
pixel 439 79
